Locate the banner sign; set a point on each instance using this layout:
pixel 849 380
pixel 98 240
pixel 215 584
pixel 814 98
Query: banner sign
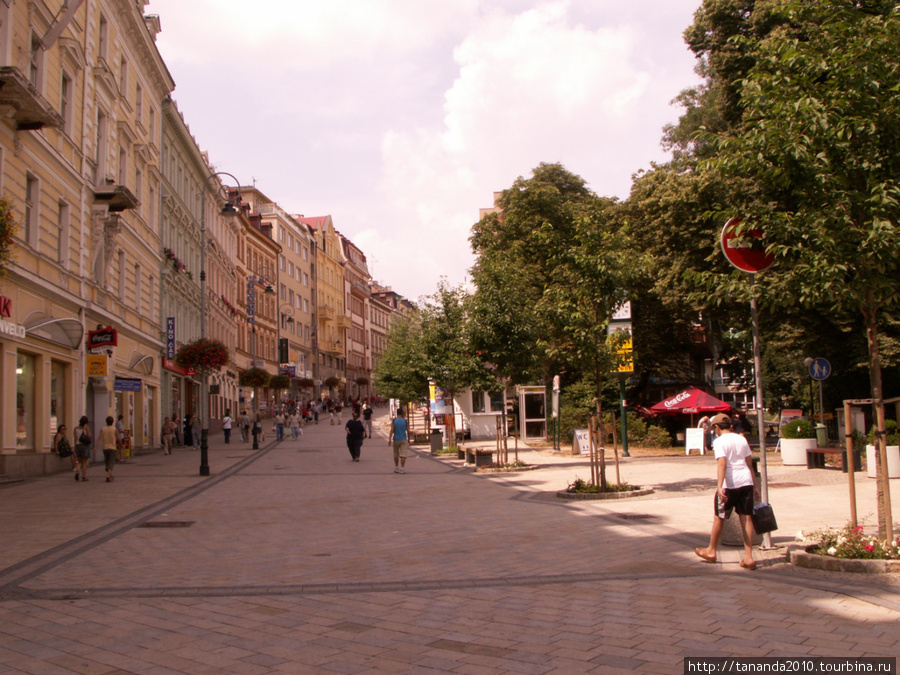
pixel 105 337
pixel 127 384
pixel 170 338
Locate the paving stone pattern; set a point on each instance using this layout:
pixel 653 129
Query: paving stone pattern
pixel 293 559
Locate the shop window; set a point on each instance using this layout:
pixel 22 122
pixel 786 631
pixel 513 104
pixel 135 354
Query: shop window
pixel 25 371
pixel 496 401
pixel 478 401
pixel 57 396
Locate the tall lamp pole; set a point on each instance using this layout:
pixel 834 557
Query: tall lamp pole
pixel 228 209
pixel 260 275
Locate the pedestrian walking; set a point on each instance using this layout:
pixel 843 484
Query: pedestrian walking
pixel 120 439
pixel 168 435
pixel 398 438
pixel 295 424
pixel 735 489
pixel 355 434
pixel 226 426
pixel 187 430
pixel 367 419
pixel 196 430
pixel 279 426
pixel 244 424
pixel 63 448
pixel 316 410
pixel 107 442
pixel 83 440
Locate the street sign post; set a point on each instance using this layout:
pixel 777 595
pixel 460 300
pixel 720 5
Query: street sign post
pixel 747 253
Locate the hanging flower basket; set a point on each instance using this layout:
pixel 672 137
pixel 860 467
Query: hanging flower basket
pixel 254 377
pixel 202 355
pixel 280 381
pixel 305 382
pixel 332 381
pixel 362 380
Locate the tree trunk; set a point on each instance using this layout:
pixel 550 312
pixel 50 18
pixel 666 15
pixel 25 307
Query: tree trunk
pixel 885 521
pixel 601 453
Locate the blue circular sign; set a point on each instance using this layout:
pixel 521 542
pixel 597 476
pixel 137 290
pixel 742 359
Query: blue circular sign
pixel 819 369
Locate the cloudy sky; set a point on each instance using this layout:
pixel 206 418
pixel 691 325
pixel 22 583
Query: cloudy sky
pixel 400 118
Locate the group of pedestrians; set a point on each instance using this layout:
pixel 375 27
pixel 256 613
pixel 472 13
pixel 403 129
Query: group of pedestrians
pixel 110 440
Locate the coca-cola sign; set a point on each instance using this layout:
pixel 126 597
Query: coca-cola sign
pixel 675 400
pixel 103 337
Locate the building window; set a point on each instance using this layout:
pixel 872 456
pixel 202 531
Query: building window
pixel 478 401
pixel 66 102
pixel 496 401
pixel 122 276
pixel 139 105
pixel 100 161
pixel 138 290
pixel 123 78
pixel 62 241
pixel 103 39
pixel 32 195
pixel 123 166
pixel 57 396
pixel 36 64
pixel 25 372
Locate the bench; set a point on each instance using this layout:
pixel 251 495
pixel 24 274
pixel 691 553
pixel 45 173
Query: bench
pixel 815 458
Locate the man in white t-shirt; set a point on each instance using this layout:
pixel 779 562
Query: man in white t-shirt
pixel 735 489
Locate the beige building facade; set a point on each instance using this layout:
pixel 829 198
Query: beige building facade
pixel 82 85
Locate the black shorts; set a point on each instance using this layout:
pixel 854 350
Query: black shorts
pixel 737 499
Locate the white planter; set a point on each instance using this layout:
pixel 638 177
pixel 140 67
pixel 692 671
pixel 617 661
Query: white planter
pixel 893 461
pixel 793 450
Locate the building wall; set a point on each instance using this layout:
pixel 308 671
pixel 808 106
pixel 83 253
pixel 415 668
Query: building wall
pixel 79 154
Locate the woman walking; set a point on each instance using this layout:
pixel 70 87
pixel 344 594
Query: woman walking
pixel 168 434
pixel 107 441
pixel 83 446
pixel 62 448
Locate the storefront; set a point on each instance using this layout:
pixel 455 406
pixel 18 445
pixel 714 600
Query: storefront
pixel 40 371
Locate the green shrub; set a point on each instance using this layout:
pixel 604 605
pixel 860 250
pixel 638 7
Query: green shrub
pixel 657 437
pixel 798 429
pixel 890 429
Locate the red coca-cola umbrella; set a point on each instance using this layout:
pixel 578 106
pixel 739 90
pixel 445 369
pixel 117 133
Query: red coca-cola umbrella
pixel 689 402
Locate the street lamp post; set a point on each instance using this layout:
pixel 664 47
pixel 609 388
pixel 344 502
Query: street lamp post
pixel 228 209
pixel 260 275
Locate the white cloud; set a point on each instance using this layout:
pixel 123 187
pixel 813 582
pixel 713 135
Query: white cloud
pixel 402 117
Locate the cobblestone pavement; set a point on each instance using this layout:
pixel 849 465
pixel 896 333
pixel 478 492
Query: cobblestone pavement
pixel 294 559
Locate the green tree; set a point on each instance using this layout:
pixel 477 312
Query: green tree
pixel 401 372
pixel 818 154
pixel 450 358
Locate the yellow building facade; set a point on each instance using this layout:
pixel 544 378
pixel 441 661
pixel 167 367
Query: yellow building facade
pixel 82 85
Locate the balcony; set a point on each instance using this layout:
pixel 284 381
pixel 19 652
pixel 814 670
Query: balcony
pixel 21 102
pixel 116 197
pixel 360 289
pixel 326 313
pixel 344 322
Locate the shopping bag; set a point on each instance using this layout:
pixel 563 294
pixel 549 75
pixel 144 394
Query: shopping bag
pixel 763 519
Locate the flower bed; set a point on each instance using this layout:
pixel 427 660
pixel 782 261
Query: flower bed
pixel 849 549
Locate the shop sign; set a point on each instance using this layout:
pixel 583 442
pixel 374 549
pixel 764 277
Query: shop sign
pixel 170 337
pixel 168 364
pixel 127 384
pixel 96 365
pixel 5 306
pixel 102 338
pixel 289 370
pixel 11 328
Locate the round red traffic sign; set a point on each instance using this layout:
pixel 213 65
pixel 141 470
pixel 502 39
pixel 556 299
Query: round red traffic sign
pixel 746 250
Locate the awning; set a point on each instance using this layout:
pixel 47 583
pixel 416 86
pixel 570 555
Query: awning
pixel 690 401
pixel 143 363
pixel 64 331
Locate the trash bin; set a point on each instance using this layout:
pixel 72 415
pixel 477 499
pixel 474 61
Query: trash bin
pixel 437 440
pixel 821 435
